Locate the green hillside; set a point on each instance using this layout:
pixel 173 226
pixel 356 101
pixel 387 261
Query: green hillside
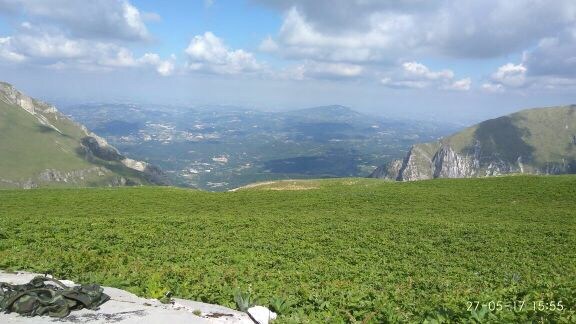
pixel 29 147
pixel 540 136
pixel 532 141
pixel 39 147
pixel 333 250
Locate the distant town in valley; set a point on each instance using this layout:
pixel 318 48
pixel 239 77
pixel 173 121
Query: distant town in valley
pixel 221 148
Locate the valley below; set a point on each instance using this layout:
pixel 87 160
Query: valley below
pixel 221 148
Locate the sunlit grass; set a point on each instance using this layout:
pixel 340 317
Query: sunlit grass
pixel 351 247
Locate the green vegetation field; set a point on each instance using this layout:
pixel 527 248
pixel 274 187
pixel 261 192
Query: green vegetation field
pixel 339 251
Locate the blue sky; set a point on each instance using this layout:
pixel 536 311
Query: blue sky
pixel 246 24
pixel 455 60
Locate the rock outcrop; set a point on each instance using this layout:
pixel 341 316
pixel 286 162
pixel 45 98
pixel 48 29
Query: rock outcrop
pixel 536 141
pixel 107 161
pixel 125 308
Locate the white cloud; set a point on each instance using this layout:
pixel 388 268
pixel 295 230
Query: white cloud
pixel 101 19
pixel 208 53
pixel 268 45
pixel 7 53
pixel 163 67
pixel 335 69
pixel 507 76
pixel 85 35
pixel 416 75
pixel 299 38
pixel 551 64
pixel 519 77
pixel 420 71
pixel 493 87
pixel 510 75
pixel 44 46
pixel 375 30
pixel 55 50
pixel 133 21
pixel 460 85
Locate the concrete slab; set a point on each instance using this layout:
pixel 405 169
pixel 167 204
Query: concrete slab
pixel 127 308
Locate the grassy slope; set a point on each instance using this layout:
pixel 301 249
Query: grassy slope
pixel 400 250
pixel 27 148
pixel 542 134
pixel 551 132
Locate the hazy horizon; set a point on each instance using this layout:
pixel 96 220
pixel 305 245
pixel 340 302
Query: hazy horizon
pixel 461 62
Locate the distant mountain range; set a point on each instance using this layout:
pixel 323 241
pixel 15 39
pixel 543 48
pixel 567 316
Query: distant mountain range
pixel 40 147
pixel 223 147
pixel 534 141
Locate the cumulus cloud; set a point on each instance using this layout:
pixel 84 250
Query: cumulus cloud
pixel 551 64
pixel 53 49
pixel 372 30
pixel 420 71
pixel 86 35
pixel 507 76
pixel 460 85
pixel 510 75
pixel 163 67
pixel 416 75
pixel 333 16
pixel 103 19
pixel 208 53
pixel 299 38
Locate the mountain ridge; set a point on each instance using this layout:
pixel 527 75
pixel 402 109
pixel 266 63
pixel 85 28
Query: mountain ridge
pixel 533 141
pixel 42 147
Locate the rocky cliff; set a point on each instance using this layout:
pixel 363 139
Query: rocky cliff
pixel 535 141
pixel 39 146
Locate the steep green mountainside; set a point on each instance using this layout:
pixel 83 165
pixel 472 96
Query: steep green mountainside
pixel 535 141
pixel 41 147
pixel 327 251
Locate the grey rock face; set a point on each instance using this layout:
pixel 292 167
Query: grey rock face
pixel 447 163
pixel 67 177
pixel 416 165
pixel 104 152
pixel 50 175
pixel 389 171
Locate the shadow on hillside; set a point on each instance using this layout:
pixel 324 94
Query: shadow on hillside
pixel 571 167
pixel 47 129
pixel 151 174
pixel 501 138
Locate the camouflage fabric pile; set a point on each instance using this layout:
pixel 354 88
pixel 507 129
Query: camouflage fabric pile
pixel 46 296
